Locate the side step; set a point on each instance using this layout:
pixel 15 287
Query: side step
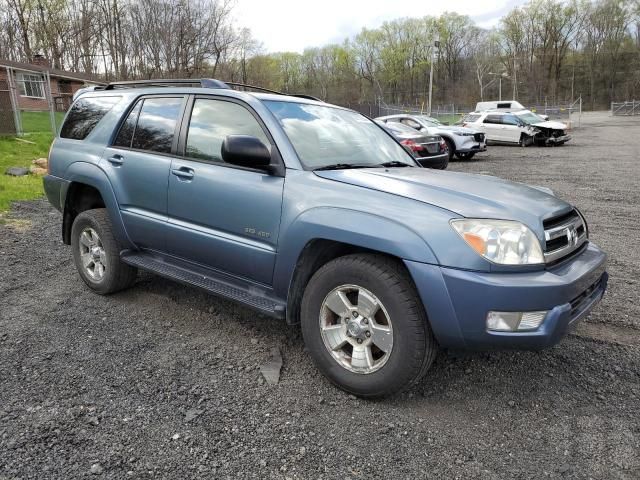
pixel 221 285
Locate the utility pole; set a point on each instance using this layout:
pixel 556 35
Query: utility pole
pixel 436 45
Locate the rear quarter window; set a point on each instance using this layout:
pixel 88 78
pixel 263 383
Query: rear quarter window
pixel 85 114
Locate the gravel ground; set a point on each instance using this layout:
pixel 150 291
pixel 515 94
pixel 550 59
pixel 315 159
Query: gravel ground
pixel 162 381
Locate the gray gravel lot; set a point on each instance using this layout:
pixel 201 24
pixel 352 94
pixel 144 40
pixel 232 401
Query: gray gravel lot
pixel 162 381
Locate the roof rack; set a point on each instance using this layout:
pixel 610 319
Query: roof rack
pixel 198 82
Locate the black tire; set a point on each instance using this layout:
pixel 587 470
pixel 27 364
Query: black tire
pixel 451 146
pixel 117 275
pixel 414 346
pixel 443 166
pixel 465 156
pixel 525 140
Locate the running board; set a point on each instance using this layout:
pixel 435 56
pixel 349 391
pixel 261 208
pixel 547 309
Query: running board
pixel 223 286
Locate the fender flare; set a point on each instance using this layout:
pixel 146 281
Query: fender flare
pixel 92 175
pixel 352 227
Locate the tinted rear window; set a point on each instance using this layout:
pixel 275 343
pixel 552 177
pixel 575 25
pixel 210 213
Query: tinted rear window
pixel 85 115
pixel 156 124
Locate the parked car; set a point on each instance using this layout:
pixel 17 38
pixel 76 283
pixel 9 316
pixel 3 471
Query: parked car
pixel 430 151
pixel 462 142
pixel 523 128
pixel 266 199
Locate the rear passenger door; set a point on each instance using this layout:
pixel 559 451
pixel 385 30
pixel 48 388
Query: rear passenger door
pixel 223 216
pixel 137 163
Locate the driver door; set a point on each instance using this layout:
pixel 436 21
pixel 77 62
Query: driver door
pixel 511 129
pixel 223 216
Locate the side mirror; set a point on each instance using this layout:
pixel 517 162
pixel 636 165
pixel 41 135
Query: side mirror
pixel 245 151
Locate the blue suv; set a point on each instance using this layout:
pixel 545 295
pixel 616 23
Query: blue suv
pixel 313 213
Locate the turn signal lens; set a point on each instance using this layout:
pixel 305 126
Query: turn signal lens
pixel 476 242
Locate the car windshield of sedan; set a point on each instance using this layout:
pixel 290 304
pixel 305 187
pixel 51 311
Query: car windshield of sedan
pixel 529 118
pixel 326 136
pixel 432 122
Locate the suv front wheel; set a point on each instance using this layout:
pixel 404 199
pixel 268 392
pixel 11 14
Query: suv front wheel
pixel 96 253
pixel 365 327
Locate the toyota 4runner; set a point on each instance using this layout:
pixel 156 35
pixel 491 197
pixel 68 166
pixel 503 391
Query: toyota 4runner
pixel 313 213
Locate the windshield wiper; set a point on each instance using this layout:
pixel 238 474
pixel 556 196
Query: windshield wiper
pixel 395 163
pixel 345 166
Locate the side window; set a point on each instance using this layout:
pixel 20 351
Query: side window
pixel 85 115
pixel 211 121
pixel 125 135
pixel 510 120
pixel 494 119
pixel 157 124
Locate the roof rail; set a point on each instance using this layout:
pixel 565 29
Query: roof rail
pixel 197 82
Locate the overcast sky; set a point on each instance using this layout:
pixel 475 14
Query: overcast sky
pixel 293 25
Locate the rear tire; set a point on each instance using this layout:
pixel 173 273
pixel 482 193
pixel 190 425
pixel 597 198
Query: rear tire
pixel 96 253
pixel 401 346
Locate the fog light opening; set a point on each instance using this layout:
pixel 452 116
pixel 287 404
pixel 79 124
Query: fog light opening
pixel 515 321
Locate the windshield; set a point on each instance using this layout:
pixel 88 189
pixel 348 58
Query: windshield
pixel 400 128
pixel 323 136
pixel 529 118
pixel 430 121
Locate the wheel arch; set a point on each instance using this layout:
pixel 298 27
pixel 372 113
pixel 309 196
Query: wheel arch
pixel 89 188
pixel 323 234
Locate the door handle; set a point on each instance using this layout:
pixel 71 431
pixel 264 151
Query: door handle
pixel 183 172
pixel 116 160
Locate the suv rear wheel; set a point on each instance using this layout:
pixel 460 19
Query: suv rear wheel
pixel 365 327
pixel 96 253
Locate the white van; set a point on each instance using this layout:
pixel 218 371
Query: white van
pixel 500 105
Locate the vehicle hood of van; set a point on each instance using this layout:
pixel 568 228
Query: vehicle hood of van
pixel 468 195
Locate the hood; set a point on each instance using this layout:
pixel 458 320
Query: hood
pixel 455 129
pixel 552 125
pixel 468 195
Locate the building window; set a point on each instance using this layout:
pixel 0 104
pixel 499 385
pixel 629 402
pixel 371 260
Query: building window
pixel 31 85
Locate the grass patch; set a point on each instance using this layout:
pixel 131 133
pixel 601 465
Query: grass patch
pixel 36 122
pixel 19 154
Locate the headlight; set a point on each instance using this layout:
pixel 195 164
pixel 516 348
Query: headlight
pixel 500 241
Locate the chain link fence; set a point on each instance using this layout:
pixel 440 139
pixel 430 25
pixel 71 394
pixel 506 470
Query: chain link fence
pixel 28 104
pixel 626 108
pixel 450 114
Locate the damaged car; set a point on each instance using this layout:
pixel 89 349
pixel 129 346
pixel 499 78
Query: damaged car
pixel 522 128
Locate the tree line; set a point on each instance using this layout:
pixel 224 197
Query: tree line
pixel 545 51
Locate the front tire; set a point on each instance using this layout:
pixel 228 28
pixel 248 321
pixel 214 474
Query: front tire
pixel 465 156
pixel 452 148
pixel 365 327
pixel 96 253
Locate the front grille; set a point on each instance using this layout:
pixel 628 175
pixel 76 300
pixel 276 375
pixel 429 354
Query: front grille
pixel 478 137
pixel 563 235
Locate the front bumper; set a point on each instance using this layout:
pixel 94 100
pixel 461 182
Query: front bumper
pixel 434 161
pixel 457 301
pixel 476 147
pixel 558 140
